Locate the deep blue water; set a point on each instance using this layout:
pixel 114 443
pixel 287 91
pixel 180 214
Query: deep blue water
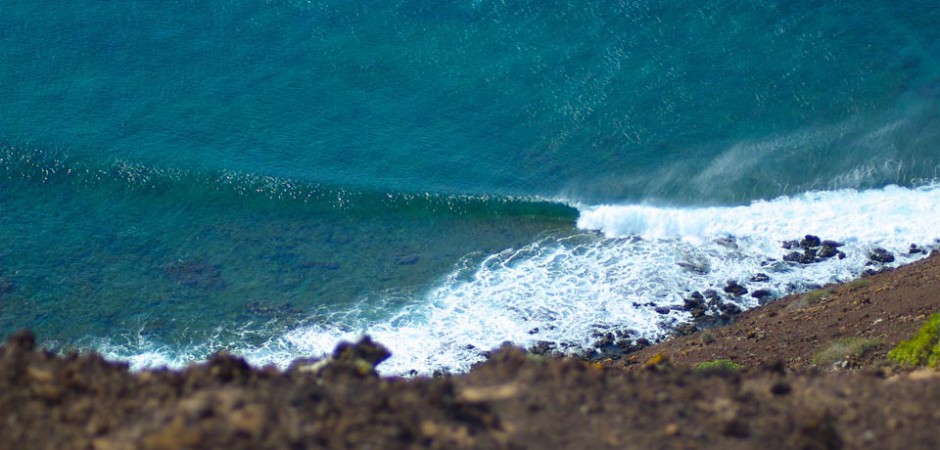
pixel 272 176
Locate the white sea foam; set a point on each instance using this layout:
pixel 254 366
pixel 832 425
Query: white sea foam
pixel 563 290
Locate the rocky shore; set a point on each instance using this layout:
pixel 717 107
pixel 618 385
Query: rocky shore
pixel 807 371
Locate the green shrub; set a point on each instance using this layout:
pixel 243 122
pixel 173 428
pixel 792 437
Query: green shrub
pixel 814 297
pixel 921 350
pixel 858 283
pixel 845 348
pixel 717 365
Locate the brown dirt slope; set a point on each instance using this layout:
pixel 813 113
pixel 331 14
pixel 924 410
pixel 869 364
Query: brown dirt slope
pixel 878 311
pixel 779 400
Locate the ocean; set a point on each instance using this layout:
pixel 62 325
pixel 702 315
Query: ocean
pixel 270 177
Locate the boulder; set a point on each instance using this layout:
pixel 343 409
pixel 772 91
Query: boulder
pixel 760 278
pixel 735 289
pixel 762 294
pixel 880 255
pixel 790 245
pixel 810 241
pixel 827 251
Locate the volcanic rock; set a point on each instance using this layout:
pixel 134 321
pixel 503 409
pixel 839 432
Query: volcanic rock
pixel 881 255
pixel 735 289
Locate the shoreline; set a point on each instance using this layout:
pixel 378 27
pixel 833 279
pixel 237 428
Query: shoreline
pixel 781 395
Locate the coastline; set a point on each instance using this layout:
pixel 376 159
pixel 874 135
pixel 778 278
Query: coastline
pixel 783 395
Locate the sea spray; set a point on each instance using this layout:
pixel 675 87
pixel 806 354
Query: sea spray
pixel 566 290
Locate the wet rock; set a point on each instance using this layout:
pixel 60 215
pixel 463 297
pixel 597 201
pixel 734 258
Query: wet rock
pixel 662 310
pixel 735 289
pixel 542 348
pixel 195 274
pixel 833 244
pixel 697 267
pixel 760 278
pixel 810 241
pixel 796 257
pixel 807 256
pixel 712 296
pixel 730 308
pixel 685 329
pixel 790 245
pixel 762 294
pixel 695 301
pixel 881 255
pixel 914 250
pixel 727 241
pixel 827 251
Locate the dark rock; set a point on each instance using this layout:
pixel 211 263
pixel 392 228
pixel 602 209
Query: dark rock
pixel 913 251
pixel 643 342
pixel 534 331
pixel 810 241
pixel 365 349
pixel 737 428
pixel 662 310
pixel 542 348
pixel 841 255
pixel 685 329
pixel 760 278
pixel 730 308
pixel 808 256
pixel 24 340
pixel 695 301
pixel 881 255
pixel 780 388
pixel 761 294
pixel 790 245
pixel 712 296
pixel 827 252
pixel 833 244
pixel 698 267
pixel 727 241
pixel 793 257
pixel 407 260
pixel 735 289
pixel 225 367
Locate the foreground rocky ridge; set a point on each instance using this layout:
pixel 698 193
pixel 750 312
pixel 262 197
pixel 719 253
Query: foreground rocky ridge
pixel 783 396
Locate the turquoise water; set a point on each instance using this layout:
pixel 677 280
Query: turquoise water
pixel 271 176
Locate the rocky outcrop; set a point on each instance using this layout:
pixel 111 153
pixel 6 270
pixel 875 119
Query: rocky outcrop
pixel 811 249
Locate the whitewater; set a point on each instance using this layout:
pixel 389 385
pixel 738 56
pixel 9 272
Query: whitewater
pixel 623 263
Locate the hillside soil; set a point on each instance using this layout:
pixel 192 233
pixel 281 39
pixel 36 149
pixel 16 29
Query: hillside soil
pixel 811 374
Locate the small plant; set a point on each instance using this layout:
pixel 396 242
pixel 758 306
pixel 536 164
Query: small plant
pixel 718 365
pixel 858 283
pixel 843 349
pixel 814 297
pixel 707 337
pixel 810 298
pixel 923 349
